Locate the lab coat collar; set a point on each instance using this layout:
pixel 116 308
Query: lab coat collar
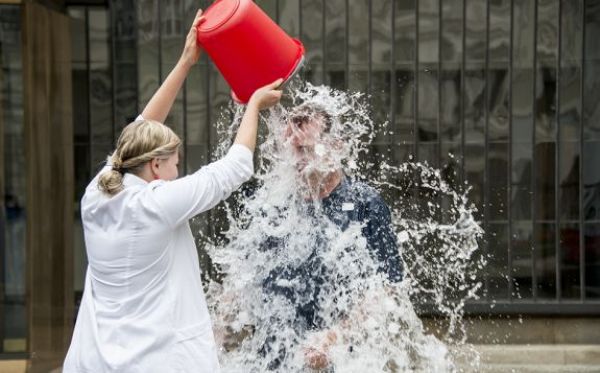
pixel 130 179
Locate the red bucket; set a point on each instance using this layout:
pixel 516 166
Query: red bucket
pixel 248 48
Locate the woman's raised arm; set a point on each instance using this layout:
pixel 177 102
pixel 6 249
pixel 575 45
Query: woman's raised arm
pixel 160 104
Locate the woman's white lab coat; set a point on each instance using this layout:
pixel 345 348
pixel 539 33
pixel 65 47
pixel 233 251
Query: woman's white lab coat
pixel 143 308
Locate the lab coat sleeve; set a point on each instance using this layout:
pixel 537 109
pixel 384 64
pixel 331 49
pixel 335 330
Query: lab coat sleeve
pixel 186 197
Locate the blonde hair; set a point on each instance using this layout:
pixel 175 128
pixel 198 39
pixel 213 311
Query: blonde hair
pixel 140 142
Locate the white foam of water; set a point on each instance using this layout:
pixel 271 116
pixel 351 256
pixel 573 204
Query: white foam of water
pixel 275 228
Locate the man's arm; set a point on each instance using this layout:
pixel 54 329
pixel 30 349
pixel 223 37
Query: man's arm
pixel 381 239
pixel 382 244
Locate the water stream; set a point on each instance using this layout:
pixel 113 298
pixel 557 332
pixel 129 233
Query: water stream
pixel 286 253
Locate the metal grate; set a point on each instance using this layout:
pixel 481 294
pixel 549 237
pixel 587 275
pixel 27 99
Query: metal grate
pixel 515 99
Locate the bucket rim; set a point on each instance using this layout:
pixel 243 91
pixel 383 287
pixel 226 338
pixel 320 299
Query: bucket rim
pixel 231 13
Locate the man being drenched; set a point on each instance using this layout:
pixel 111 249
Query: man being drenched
pixel 345 203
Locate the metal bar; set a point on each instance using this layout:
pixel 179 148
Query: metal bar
pixel 67 3
pixel 184 103
pixel 486 171
pixel 307 62
pixel 299 19
pixel 15 355
pixel 392 115
pixel 3 187
pixel 208 107
pixel 206 87
pixel 581 163
pixel 509 176
pixel 557 278
pixel 347 46
pixel 89 80
pixel 209 227
pixel 160 72
pixel 439 85
pixel 416 85
pixel 159 55
pixel 137 78
pixel 113 67
pixel 277 12
pixel 533 182
pixel 540 308
pixel 462 93
pixel 370 50
pixel 324 40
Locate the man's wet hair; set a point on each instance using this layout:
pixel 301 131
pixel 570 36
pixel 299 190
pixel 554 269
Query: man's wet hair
pixel 301 114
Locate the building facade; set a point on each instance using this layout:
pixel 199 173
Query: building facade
pixel 502 94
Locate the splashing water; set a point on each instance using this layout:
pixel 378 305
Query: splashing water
pixel 284 256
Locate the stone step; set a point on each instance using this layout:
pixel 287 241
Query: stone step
pixel 13 366
pixel 559 355
pixel 537 368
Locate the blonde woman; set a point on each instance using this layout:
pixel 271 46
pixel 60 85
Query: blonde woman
pixel 143 308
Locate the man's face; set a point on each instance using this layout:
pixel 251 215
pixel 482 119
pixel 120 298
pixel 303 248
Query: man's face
pixel 304 135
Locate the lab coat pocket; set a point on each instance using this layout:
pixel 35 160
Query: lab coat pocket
pixel 195 350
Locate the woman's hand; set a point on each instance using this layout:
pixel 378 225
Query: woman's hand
pixel 191 50
pixel 263 98
pixel 267 96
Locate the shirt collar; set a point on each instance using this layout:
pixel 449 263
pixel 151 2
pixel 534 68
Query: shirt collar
pixel 130 179
pixel 340 187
